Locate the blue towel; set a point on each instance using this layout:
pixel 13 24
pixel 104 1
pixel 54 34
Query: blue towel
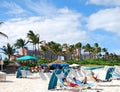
pixel 82 84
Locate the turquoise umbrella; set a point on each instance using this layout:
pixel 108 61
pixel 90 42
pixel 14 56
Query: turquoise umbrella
pixel 27 57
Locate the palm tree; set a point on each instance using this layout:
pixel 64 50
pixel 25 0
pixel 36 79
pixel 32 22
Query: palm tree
pixel 97 49
pixel 20 43
pixel 8 50
pixel 34 39
pixel 55 48
pixel 1 32
pixel 105 52
pixel 44 50
pixel 88 48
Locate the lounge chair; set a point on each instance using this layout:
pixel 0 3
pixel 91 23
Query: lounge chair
pixel 56 78
pixel 83 84
pixel 23 72
pixel 116 73
pixel 62 84
pixel 107 75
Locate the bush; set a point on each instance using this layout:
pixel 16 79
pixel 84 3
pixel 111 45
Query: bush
pixel 94 62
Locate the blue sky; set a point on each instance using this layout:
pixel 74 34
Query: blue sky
pixel 63 21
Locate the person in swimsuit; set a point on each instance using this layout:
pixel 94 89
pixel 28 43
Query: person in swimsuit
pixel 70 84
pixel 84 81
pixel 98 80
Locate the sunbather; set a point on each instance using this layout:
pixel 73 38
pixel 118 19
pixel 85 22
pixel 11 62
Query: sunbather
pixel 84 81
pixel 96 79
pixel 70 84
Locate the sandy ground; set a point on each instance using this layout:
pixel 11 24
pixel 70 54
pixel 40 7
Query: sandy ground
pixel 38 82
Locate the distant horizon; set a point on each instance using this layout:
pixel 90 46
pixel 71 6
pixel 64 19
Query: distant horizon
pixel 68 21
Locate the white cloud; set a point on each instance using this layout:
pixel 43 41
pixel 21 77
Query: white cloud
pixel 108 19
pixel 63 28
pixel 105 2
pixel 13 8
pixel 41 7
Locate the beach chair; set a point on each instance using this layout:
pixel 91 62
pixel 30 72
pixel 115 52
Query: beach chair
pixel 109 73
pixel 83 84
pixel 62 84
pixel 116 73
pixel 56 80
pixel 24 74
pixel 105 74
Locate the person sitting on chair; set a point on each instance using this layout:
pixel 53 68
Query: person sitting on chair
pixel 84 81
pixel 70 84
pixel 96 79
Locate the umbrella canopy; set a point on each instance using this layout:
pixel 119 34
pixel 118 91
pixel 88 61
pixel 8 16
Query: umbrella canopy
pixel 44 65
pixel 26 58
pixel 55 65
pixel 58 61
pixel 74 65
pixel 64 65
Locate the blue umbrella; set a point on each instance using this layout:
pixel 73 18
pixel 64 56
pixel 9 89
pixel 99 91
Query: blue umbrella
pixel 55 65
pixel 44 65
pixel 26 58
pixel 64 65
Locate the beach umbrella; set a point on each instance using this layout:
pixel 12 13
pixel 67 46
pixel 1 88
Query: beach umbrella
pixel 57 61
pixel 55 65
pixel 27 57
pixel 74 65
pixel 64 65
pixel 44 65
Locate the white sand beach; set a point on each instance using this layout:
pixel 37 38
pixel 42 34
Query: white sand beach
pixel 39 83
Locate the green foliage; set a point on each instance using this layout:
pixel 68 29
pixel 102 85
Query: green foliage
pixel 43 61
pixel 12 61
pixel 31 65
pixel 6 61
pixel 94 62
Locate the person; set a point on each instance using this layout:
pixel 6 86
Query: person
pixel 70 84
pixel 40 68
pixel 96 79
pixel 84 81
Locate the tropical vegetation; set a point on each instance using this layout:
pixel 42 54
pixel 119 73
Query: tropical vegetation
pixel 74 53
